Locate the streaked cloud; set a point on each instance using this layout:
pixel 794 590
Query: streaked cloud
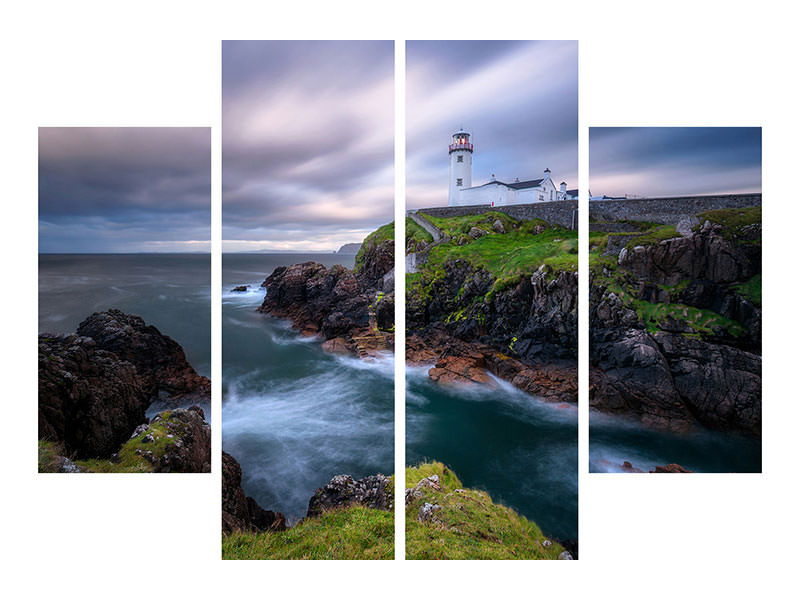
pixel 518 99
pixel 665 161
pixel 124 189
pixel 308 143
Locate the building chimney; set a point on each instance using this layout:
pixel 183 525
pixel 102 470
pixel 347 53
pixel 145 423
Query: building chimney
pixel 563 187
pixel 547 173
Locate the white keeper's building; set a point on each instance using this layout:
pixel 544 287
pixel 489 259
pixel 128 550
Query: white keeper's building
pixel 496 193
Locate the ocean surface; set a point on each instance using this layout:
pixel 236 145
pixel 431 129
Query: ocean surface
pixel 613 440
pixel 170 291
pixel 521 450
pixel 293 415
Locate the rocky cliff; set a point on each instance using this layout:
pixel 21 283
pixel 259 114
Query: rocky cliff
pixel 500 296
pixel 95 386
pixel 675 325
pixel 352 310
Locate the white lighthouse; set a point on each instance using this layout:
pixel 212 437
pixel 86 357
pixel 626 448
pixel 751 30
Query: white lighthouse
pixel 496 192
pixel 460 166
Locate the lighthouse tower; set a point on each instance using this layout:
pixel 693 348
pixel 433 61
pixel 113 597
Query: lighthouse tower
pixel 460 166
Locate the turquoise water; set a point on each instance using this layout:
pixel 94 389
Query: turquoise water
pixel 521 450
pixel 613 440
pixel 293 415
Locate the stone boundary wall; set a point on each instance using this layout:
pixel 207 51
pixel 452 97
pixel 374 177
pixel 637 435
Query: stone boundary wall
pixel 561 212
pixel 611 227
pixel 669 211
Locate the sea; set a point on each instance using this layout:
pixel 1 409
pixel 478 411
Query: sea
pixel 170 291
pixel 614 440
pixel 520 449
pixel 293 415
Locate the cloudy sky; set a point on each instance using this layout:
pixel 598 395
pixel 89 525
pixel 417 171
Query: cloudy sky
pixel 136 189
pixel 665 161
pixel 307 143
pixel 518 99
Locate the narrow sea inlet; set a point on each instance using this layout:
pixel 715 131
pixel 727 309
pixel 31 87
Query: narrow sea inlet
pixel 521 450
pixel 614 440
pixel 293 415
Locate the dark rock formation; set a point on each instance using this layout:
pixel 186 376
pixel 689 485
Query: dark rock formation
pixel 239 511
pixel 240 288
pixel 190 451
pixel 354 308
pixel 526 334
pixel 89 399
pixel 677 371
pixel 342 491
pixel 671 468
pixel 94 387
pixel 705 256
pixel 159 360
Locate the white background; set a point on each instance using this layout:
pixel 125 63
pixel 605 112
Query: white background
pixel 158 63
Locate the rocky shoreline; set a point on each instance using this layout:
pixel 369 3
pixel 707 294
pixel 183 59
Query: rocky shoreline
pixel 96 385
pixel 352 310
pixel 242 513
pixel 675 333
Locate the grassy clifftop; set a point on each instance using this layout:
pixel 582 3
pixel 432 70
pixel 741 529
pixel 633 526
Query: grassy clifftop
pixel 380 235
pixel 354 532
pixel 514 251
pixel 456 523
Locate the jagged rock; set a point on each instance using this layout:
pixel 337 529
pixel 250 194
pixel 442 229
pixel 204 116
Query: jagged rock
pixel 240 288
pixel 378 261
pixel 477 232
pixel 94 387
pixel 671 468
pixel 189 450
pixel 565 556
pixel 89 399
pixel 342 490
pixel 427 512
pixel 240 512
pixel 704 255
pixel 460 370
pixel 418 491
pixel 336 302
pixel 498 226
pixel 337 345
pixel 159 360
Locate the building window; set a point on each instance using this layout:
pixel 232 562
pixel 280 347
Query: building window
pixel 541 197
pixel 551 195
pixel 459 181
pixel 460 158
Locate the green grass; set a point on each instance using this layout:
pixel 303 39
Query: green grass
pixel 129 460
pixel 383 233
pixel 702 322
pixel 468 524
pixel 653 237
pixel 731 219
pixel 416 233
pixel 598 241
pixel 456 226
pixel 350 533
pixel 513 255
pixel 750 289
pixel 50 454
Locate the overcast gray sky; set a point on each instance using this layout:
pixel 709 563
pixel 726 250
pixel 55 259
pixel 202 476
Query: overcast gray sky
pixel 665 161
pixel 307 143
pixel 124 189
pixel 518 99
